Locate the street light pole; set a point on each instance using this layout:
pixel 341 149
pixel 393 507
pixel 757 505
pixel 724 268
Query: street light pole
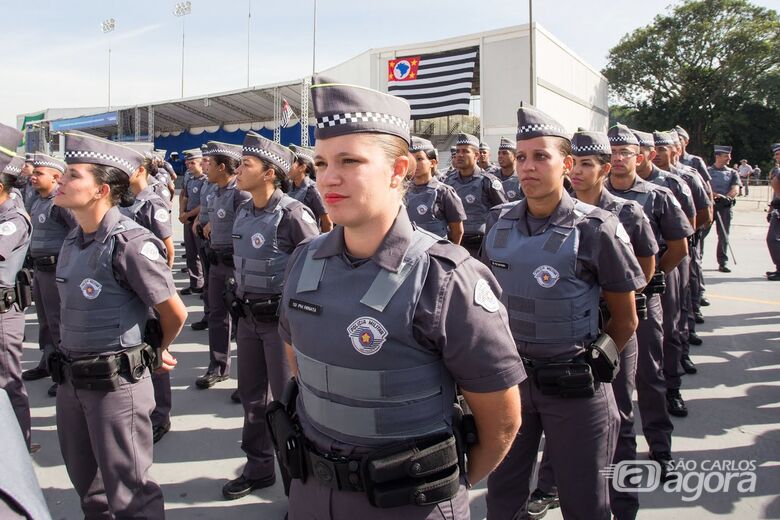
pixel 181 10
pixel 248 32
pixel 107 26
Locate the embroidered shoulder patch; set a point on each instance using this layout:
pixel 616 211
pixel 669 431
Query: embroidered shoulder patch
pixel 7 228
pixel 484 296
pixel 161 215
pixel 150 251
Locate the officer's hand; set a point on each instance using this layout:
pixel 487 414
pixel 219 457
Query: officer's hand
pixel 207 231
pixel 168 362
pixel 183 218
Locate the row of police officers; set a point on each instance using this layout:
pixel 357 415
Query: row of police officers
pixel 402 368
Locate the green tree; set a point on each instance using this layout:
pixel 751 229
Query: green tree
pixel 712 66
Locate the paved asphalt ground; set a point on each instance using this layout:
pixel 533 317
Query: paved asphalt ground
pixel 734 404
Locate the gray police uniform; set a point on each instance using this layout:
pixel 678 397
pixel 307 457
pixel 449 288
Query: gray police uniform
pixel 637 226
pixel 722 181
pixel 193 187
pixel 672 300
pixel 20 493
pixel 479 192
pixel 263 240
pixel 378 356
pixel 160 187
pixel 511 185
pixel 110 278
pixel 668 223
pixel 17 199
pixel 150 211
pixel 433 206
pixel 51 224
pixel 15 232
pixel 222 212
pixel 539 264
pixel 416 346
pixel 308 194
pixel 773 233
pixel 207 193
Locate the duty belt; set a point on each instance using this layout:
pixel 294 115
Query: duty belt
pixel 566 379
pixel 7 299
pixel 220 257
pixel 262 310
pixel 45 263
pixel 473 240
pixel 106 373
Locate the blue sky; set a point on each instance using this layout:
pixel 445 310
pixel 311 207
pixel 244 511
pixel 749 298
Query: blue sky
pixel 55 54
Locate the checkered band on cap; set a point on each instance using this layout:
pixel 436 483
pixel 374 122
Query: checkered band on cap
pixel 645 138
pixel 233 151
pixel 540 127
pixel 506 144
pixel 267 154
pixel 590 143
pixel 467 139
pixel 776 148
pixel 361 117
pixel 14 166
pixel 342 109
pixel 722 149
pixel 420 145
pixel 593 148
pixel 302 152
pixel 73 156
pixel 41 160
pixel 662 139
pixel 622 135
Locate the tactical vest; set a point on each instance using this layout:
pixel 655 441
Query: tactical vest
pixel 97 314
pixel 721 179
pixel 161 190
pixel 471 193
pixel 423 210
pixel 364 379
pixel 139 202
pixel 511 187
pixel 547 303
pixel 221 216
pixel 194 187
pixel 299 193
pixel 47 234
pixel 645 196
pixel 206 196
pixel 259 263
pixel 10 266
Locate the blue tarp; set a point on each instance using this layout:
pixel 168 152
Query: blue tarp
pixel 187 141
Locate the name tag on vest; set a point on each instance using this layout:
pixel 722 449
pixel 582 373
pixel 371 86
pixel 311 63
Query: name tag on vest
pixel 60 280
pixel 238 237
pixel 500 265
pixel 301 305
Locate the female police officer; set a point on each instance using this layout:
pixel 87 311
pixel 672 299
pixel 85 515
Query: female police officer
pixel 554 257
pixel 266 231
pixel 110 272
pixel 15 232
pixel 151 211
pixel 379 319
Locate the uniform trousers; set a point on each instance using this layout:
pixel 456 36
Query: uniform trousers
pixel 11 337
pixel 204 261
pixel 623 505
pixel 47 307
pixel 686 304
pixel 161 414
pixel 313 501
pixel 580 436
pixel 725 215
pixel 773 239
pixel 194 265
pixel 696 284
pixel 219 320
pixel 671 301
pixel 106 442
pixel 650 382
pixel 263 363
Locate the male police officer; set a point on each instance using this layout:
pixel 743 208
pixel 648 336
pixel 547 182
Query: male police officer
pixel 725 187
pixel 207 193
pixel 671 228
pixel 506 172
pixel 51 224
pixel 189 209
pixel 773 233
pixel 483 159
pixel 432 205
pixel 478 190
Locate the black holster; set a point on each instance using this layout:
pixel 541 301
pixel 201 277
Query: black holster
pixel 7 299
pixel 199 232
pixel 23 288
pixel 657 284
pixel 232 303
pixel 153 337
pixel 570 379
pixel 286 433
pixel 46 263
pixel 103 373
